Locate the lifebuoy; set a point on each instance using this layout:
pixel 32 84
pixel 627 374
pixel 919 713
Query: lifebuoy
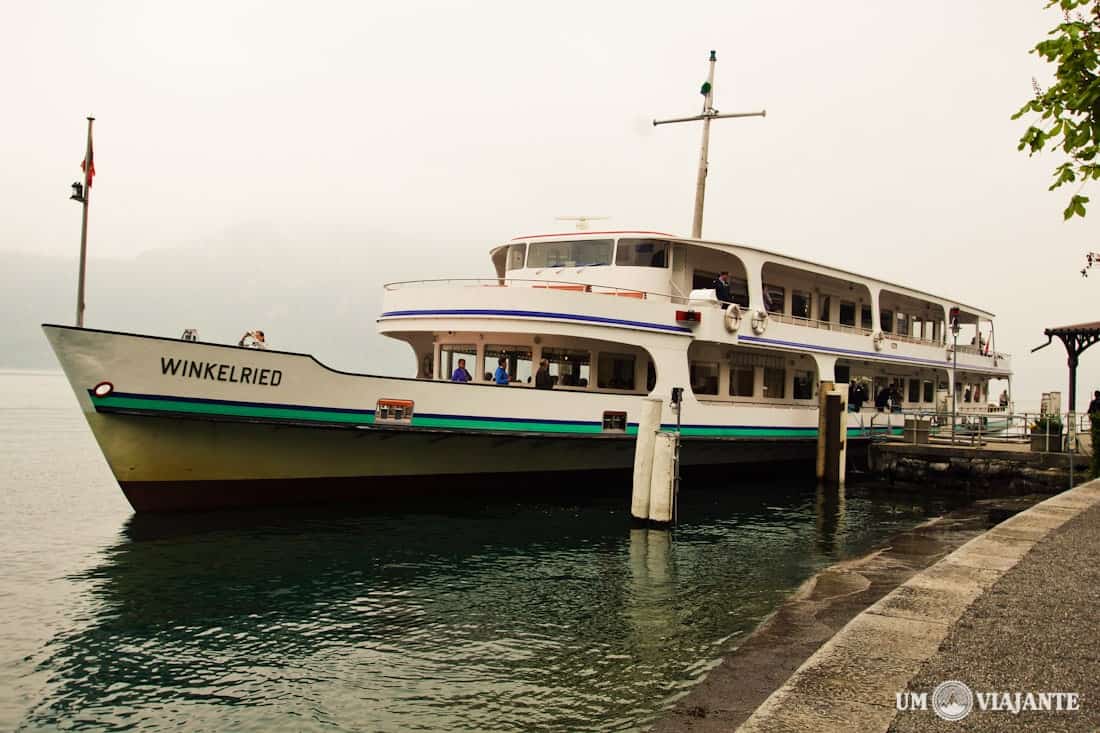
pixel 733 318
pixel 759 322
pixel 878 339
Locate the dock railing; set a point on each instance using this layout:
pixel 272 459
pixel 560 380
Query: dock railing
pixel 1043 432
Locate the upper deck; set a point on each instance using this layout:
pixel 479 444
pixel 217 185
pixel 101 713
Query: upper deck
pixel 808 306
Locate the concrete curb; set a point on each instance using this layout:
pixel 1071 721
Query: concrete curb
pixel 850 682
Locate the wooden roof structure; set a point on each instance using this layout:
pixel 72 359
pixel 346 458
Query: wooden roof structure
pixel 1076 339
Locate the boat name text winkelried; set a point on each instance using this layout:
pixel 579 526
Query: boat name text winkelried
pixel 220 372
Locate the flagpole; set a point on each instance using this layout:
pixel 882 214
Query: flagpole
pixel 88 166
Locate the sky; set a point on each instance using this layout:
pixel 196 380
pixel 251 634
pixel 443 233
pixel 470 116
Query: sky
pixel 427 132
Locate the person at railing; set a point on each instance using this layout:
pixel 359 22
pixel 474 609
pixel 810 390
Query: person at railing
pixel 857 395
pixel 500 377
pixel 1094 406
pixel 882 399
pixel 253 340
pixel 722 289
pixel 543 380
pixel 895 398
pixel 966 394
pixel 1003 401
pixel 460 374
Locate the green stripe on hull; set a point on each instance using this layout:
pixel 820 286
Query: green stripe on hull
pixel 207 408
pixel 350 418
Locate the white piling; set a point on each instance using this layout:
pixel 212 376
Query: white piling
pixel 663 480
pixel 649 424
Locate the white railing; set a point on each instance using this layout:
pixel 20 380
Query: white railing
pixel 1043 431
pixel 814 323
pixel 559 285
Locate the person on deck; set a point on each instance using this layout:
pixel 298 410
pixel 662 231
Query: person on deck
pixel 855 396
pixel 500 378
pixel 543 380
pixel 882 399
pixel 460 374
pixel 722 289
pixel 1094 406
pixel 257 340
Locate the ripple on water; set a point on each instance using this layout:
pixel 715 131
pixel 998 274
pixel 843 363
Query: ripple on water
pixel 504 617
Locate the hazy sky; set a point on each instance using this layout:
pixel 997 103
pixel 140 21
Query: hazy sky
pixel 888 147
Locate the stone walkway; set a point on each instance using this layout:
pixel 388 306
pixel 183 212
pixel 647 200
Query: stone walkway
pixel 1014 610
pixel 1036 630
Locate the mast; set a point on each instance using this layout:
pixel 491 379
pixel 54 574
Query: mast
pixel 709 113
pixel 84 196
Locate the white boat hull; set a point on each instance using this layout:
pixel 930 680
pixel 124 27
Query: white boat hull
pixel 187 425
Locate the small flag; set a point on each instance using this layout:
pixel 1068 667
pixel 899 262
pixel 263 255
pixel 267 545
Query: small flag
pixel 88 165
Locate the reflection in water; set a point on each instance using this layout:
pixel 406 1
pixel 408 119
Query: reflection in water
pixel 830 517
pixel 500 618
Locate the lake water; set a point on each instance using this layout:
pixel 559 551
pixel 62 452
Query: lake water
pixel 504 616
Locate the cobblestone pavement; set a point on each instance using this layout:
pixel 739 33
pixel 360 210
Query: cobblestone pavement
pixel 1035 630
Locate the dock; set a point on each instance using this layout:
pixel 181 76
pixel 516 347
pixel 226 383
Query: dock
pixel 978 466
pixel 985 623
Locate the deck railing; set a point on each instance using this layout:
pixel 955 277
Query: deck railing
pixel 618 290
pixel 560 285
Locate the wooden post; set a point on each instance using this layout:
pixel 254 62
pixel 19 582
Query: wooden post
pixel 832 432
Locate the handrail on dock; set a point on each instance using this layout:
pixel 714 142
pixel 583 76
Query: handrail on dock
pixel 992 428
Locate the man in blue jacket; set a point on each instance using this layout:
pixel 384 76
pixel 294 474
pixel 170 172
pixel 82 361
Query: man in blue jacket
pixel 501 376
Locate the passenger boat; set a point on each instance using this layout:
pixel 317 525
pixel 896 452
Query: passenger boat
pixel 617 315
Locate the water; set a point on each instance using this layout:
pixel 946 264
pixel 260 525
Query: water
pixel 500 617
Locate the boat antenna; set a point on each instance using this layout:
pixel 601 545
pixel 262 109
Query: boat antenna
pixel 709 113
pixel 582 221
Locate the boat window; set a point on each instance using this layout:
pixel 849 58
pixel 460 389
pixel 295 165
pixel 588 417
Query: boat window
pixel 741 381
pixel 800 303
pixel 847 313
pixel 614 422
pixel 803 385
pixel 903 324
pixel 616 371
pixel 701 279
pixel 517 362
pixel 451 353
pixel 580 253
pixel 775 383
pixel 928 391
pixel 842 374
pixel 865 321
pixel 516 255
pixel 642 253
pixel 914 391
pixel 773 298
pixel 704 377
pixel 650 376
pixel 824 308
pixel 887 319
pixel 568 367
